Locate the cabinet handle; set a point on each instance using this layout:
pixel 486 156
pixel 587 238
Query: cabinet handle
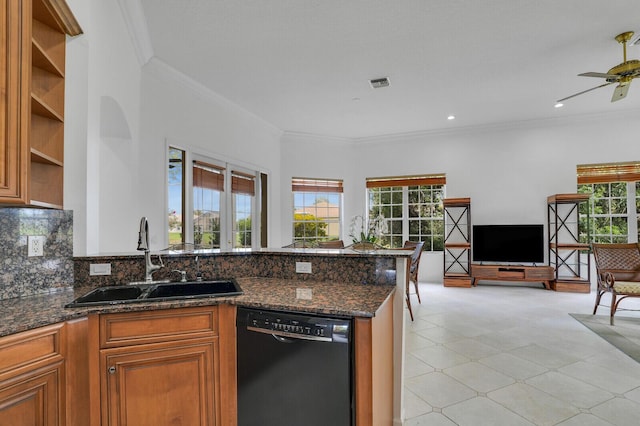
pixel 111 370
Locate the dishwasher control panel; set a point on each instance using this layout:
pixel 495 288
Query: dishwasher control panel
pixel 298 326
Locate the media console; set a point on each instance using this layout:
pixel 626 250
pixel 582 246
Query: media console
pixel 543 274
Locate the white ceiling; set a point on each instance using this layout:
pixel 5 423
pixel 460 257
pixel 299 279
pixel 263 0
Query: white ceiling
pixel 304 65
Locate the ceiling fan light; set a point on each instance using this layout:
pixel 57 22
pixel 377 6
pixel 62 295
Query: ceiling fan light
pixel 558 105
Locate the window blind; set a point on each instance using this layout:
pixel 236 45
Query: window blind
pixel 608 172
pixel 316 185
pixel 208 176
pixel 384 182
pixel 242 183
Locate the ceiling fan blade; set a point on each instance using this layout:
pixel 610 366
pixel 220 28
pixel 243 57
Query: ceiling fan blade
pixel 620 92
pixel 585 91
pixel 600 75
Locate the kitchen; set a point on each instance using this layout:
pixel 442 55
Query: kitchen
pixel 124 106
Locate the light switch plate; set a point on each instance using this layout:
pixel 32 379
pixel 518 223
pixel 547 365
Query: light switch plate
pixel 303 267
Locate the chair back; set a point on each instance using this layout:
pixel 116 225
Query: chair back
pixel 621 260
pixel 415 257
pixel 337 244
pixel 302 244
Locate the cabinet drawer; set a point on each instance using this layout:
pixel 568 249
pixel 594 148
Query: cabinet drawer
pixel 135 328
pixel 25 349
pixel 485 273
pixel 540 273
pixel 507 273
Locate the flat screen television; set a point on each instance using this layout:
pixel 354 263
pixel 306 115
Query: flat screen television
pixel 508 243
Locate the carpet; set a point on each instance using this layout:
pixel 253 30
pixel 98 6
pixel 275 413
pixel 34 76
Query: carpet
pixel 625 335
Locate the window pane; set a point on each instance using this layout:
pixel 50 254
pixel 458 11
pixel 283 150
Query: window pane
pixel 242 214
pixel 316 216
pixel 608 211
pixel 206 217
pixel 424 221
pixel 175 186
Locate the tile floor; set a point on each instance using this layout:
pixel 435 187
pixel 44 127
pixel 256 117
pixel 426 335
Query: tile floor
pixel 511 355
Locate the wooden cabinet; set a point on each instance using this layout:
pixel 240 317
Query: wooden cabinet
pixel 543 274
pixel 373 350
pixel 174 366
pixel 32 377
pixel 32 56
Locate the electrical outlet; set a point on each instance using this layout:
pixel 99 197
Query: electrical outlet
pixel 100 269
pixel 304 293
pixel 35 245
pixel 303 267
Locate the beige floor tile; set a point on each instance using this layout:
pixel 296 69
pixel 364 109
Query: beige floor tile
pixel 439 390
pixel 478 376
pixel 482 411
pixel 538 407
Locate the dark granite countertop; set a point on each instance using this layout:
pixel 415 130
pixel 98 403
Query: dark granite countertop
pixel 340 299
pixel 284 251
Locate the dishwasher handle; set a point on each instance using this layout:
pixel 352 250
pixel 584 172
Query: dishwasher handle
pixel 289 336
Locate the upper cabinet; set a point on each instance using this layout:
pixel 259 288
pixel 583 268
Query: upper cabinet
pixel 32 57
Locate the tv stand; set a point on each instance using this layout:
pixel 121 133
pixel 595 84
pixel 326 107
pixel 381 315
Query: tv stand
pixel 514 273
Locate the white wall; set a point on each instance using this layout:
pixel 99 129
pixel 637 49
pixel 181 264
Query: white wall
pixel 508 171
pixel 119 116
pixel 177 111
pixel 101 139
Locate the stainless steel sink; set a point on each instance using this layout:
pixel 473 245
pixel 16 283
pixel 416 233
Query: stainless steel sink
pixel 156 292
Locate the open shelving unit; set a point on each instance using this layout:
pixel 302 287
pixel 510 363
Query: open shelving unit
pixel 568 255
pixel 457 242
pixel 51 22
pixel 35 61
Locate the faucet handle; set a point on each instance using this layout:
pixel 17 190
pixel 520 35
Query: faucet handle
pixel 183 275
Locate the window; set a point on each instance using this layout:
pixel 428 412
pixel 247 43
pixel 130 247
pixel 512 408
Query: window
pixel 412 206
pixel 317 206
pixel 212 204
pixel 615 202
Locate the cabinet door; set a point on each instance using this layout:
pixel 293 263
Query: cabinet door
pixel 34 400
pixel 14 99
pixel 161 384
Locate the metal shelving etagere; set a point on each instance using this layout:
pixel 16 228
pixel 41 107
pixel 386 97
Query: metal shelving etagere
pixel 457 242
pixel 568 255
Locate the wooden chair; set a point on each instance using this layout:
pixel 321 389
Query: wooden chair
pixel 301 244
pixel 412 275
pixel 618 272
pixel 334 244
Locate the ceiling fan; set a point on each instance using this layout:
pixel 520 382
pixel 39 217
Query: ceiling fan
pixel 622 73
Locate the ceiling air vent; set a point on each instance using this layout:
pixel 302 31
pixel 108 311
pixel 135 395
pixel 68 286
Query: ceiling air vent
pixel 377 83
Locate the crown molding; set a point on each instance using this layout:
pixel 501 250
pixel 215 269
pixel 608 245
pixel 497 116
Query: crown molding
pixel 630 114
pixel 165 71
pixel 136 23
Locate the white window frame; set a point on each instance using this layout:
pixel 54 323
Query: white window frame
pixel 226 206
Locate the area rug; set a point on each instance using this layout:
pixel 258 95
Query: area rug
pixel 625 335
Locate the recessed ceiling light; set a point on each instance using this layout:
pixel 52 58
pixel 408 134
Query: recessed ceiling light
pixel 558 105
pixel 451 117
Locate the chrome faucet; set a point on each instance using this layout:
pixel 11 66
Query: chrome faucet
pixel 143 245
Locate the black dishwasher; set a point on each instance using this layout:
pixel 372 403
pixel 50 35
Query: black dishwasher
pixel 293 369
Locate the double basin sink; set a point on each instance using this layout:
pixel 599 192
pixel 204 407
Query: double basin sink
pixel 156 292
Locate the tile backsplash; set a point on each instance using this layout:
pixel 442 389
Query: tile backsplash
pixel 21 275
